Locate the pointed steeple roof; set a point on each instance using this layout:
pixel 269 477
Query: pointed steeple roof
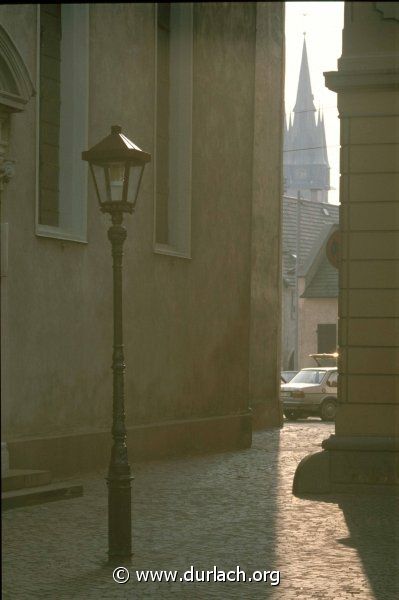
pixel 304 98
pixel 323 139
pixel 320 140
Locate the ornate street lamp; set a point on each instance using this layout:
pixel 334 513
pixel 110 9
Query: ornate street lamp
pixel 117 166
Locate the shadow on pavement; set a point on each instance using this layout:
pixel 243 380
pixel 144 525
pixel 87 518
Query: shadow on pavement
pixel 373 523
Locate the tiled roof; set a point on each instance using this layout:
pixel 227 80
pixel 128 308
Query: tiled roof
pixel 324 283
pixel 314 218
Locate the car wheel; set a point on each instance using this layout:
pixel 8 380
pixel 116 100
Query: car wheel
pixel 328 410
pixel 291 415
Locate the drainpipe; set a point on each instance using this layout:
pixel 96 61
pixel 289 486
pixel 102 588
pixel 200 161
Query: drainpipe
pixel 298 247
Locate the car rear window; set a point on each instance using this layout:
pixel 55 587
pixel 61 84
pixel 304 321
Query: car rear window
pixel 311 376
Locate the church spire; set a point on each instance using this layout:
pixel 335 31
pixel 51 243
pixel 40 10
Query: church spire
pixel 306 168
pixel 304 98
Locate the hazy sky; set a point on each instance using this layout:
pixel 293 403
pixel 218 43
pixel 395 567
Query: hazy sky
pixel 323 23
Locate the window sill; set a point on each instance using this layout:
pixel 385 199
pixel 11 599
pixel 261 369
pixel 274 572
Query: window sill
pixel 59 234
pixel 170 251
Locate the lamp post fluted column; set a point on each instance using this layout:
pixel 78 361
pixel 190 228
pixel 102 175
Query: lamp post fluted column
pixel 119 474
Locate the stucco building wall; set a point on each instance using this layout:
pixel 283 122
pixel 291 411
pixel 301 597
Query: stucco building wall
pixel 186 321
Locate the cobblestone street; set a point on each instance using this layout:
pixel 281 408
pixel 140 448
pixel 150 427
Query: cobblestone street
pixel 226 510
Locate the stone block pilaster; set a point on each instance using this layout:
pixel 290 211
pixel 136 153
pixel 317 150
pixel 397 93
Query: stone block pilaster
pixel 363 453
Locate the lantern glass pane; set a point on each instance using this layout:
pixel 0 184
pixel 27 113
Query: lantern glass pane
pixel 98 172
pixel 135 175
pixel 117 182
pixel 116 174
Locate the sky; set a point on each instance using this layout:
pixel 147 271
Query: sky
pixel 323 23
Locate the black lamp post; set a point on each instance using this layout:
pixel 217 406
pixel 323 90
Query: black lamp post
pixel 117 166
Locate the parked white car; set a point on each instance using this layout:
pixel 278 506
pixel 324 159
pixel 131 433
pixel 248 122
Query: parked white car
pixel 312 392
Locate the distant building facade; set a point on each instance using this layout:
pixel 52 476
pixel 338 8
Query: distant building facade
pixel 310 282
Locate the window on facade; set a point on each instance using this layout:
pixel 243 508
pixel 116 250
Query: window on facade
pixel 62 120
pixel 326 338
pixel 173 127
pixel 49 112
pixel 162 119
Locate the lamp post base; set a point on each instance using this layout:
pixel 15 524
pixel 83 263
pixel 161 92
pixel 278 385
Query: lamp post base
pixel 119 520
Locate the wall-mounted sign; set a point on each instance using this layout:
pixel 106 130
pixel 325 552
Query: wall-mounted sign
pixel 333 248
